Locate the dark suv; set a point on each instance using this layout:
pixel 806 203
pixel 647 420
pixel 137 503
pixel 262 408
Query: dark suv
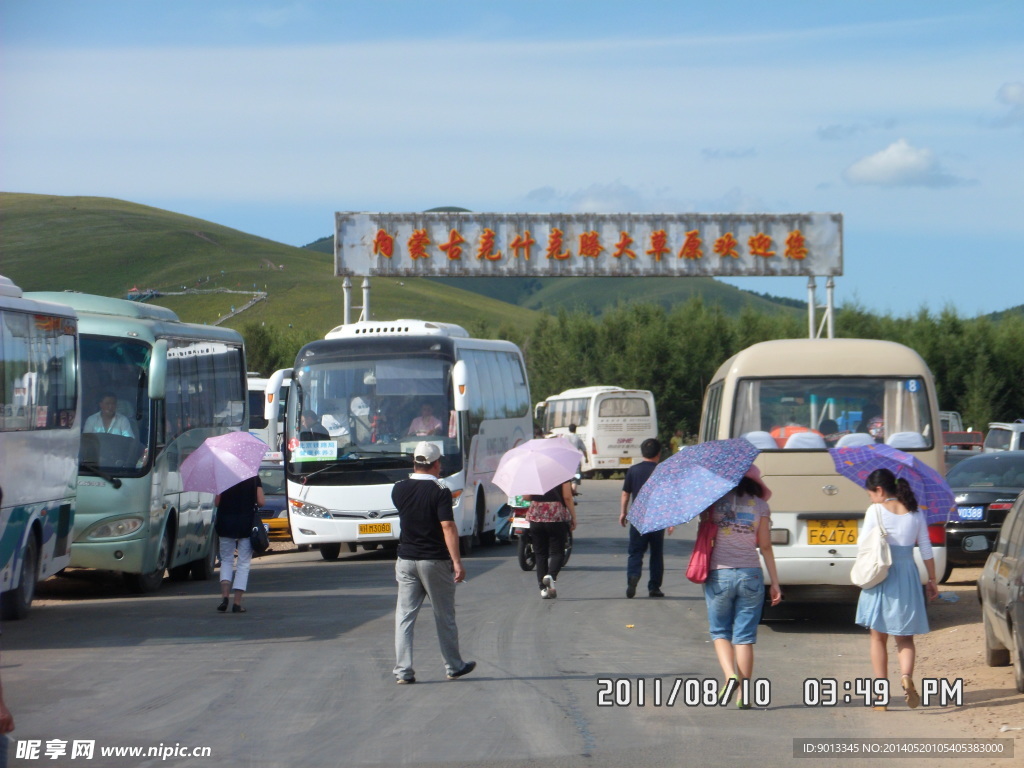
pixel 985 487
pixel 1001 594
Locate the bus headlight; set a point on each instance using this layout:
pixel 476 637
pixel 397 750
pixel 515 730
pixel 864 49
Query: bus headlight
pixel 309 510
pixel 113 529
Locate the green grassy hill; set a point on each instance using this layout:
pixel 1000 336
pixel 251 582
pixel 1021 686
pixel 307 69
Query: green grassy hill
pixel 107 247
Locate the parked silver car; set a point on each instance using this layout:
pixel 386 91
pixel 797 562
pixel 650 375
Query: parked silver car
pixel 1001 593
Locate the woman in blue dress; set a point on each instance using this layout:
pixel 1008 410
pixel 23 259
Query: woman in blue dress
pixel 896 606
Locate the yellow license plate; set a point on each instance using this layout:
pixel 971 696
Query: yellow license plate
pixel 626 460
pixel 370 528
pixel 832 532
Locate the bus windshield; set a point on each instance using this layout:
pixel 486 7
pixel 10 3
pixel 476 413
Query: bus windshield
pixel 116 430
pixel 347 416
pixel 816 413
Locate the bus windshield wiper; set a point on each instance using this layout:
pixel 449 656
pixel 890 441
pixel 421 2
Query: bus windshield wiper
pixel 93 469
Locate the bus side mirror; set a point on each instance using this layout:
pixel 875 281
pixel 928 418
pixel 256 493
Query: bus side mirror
pixel 158 370
pixel 460 377
pixel 272 402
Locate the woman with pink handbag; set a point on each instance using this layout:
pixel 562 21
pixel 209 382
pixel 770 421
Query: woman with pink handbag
pixel 734 589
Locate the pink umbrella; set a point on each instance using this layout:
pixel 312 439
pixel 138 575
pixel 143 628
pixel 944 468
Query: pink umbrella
pixel 536 466
pixel 222 461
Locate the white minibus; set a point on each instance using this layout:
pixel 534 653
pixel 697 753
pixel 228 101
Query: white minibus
pixel 612 422
pixel 376 389
pixel 796 398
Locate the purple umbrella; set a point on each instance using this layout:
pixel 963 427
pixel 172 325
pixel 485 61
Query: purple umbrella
pixel 537 466
pixel 934 496
pixel 222 461
pixel 689 481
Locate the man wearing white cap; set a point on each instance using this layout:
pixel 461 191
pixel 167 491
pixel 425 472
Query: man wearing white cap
pixel 428 562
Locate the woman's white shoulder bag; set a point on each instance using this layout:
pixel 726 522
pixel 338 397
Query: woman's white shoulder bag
pixel 873 556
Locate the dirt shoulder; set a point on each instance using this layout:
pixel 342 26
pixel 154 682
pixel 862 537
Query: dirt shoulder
pixel 955 648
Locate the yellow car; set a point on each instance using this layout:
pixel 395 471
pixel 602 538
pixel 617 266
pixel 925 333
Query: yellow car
pixel 274 511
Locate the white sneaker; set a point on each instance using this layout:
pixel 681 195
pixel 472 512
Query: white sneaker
pixel 544 594
pixel 552 592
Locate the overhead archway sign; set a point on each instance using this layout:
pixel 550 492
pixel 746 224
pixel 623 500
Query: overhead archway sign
pixel 450 244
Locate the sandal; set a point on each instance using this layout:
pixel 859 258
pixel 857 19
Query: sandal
pixel 223 605
pixel 237 609
pixel 728 689
pixel 913 697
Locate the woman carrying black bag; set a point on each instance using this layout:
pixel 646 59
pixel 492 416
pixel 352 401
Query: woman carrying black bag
pixel 236 513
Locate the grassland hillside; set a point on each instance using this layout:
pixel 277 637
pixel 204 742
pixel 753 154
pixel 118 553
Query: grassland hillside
pixel 108 247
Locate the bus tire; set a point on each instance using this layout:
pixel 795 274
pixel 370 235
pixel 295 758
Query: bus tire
pixel 483 537
pixel 179 572
pixel 15 604
pixel 330 551
pixel 144 583
pixel 204 568
pixel 524 552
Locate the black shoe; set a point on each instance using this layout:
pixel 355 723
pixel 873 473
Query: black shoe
pixel 470 666
pixel 631 586
pixel 223 605
pixel 655 593
pixel 405 680
pixel 238 609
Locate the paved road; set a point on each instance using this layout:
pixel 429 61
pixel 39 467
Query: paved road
pixel 304 678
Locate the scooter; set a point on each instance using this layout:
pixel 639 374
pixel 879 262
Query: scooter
pixel 521 532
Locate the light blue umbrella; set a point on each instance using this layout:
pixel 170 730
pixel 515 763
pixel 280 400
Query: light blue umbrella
pixel 689 481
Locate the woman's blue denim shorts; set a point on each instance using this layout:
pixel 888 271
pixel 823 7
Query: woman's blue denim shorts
pixel 735 598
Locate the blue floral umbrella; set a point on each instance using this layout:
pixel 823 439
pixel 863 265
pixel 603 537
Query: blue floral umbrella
pixel 934 496
pixel 689 481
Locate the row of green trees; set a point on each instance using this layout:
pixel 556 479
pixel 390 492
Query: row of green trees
pixel 978 363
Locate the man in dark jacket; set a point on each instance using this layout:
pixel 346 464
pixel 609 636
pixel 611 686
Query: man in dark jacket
pixel 428 562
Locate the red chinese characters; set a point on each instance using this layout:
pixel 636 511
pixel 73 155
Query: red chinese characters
pixel 796 246
pixel 726 246
pixel 521 244
pixel 453 246
pixel 760 245
pixel 418 242
pixel 554 250
pixel 692 246
pixel 659 244
pixel 383 244
pixel 590 244
pixel 622 247
pixel 485 250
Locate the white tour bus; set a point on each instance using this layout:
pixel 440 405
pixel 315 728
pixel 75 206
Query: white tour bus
pixel 612 422
pixel 40 425
pixel 174 384
pixel 258 424
pixel 796 398
pixel 375 390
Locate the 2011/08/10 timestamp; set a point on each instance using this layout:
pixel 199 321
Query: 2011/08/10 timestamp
pixel 874 692
pixel 688 692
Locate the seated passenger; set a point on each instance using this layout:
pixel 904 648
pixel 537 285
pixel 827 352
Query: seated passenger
pixel 830 431
pixel 107 420
pixel 782 434
pixel 426 423
pixel 312 429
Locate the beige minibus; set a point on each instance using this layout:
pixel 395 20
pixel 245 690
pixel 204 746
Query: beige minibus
pixel 796 398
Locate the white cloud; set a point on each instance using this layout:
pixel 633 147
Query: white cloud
pixel 1011 94
pixel 901 165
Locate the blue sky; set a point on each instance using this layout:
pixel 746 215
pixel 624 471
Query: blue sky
pixel 268 116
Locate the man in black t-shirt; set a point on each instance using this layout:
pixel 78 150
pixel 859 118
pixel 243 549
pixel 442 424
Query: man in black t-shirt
pixel 428 562
pixel 636 476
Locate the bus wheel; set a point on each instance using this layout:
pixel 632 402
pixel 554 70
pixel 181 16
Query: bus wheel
pixel 204 568
pixel 15 603
pixel 330 551
pixel 524 550
pixel 141 583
